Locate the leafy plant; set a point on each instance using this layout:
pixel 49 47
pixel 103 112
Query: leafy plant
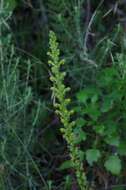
pixel 101 107
pixel 113 164
pixel 92 155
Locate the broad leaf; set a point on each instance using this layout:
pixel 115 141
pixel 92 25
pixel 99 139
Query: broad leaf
pixel 113 140
pixel 80 122
pixel 92 155
pixel 113 164
pixel 93 111
pixel 100 129
pixel 107 104
pixel 80 135
pixel 66 165
pixel 88 93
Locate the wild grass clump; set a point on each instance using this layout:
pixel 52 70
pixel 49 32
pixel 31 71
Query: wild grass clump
pixel 18 168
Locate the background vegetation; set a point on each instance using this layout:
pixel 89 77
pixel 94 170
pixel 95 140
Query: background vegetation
pixel 91 35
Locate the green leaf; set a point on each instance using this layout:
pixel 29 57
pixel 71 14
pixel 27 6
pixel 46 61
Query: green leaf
pixel 122 149
pixel 107 105
pixel 81 155
pixel 88 93
pixel 66 165
pixel 100 129
pixel 82 96
pixel 78 109
pixel 80 135
pixel 94 98
pixel 92 155
pixel 80 122
pixel 93 111
pixel 113 140
pixel 113 164
pixel 111 127
pixel 107 76
pixel 68 182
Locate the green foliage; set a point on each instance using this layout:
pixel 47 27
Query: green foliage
pixel 93 44
pixel 102 110
pixel 66 18
pixel 98 107
pixel 68 183
pixel 113 164
pixel 17 120
pixel 92 155
pixel 66 165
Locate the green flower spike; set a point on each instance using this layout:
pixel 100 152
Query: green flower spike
pixel 61 104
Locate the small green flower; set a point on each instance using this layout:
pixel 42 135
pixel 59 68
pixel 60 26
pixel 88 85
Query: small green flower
pixel 61 104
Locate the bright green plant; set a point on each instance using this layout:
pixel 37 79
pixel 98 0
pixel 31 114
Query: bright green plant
pixel 102 108
pixel 61 103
